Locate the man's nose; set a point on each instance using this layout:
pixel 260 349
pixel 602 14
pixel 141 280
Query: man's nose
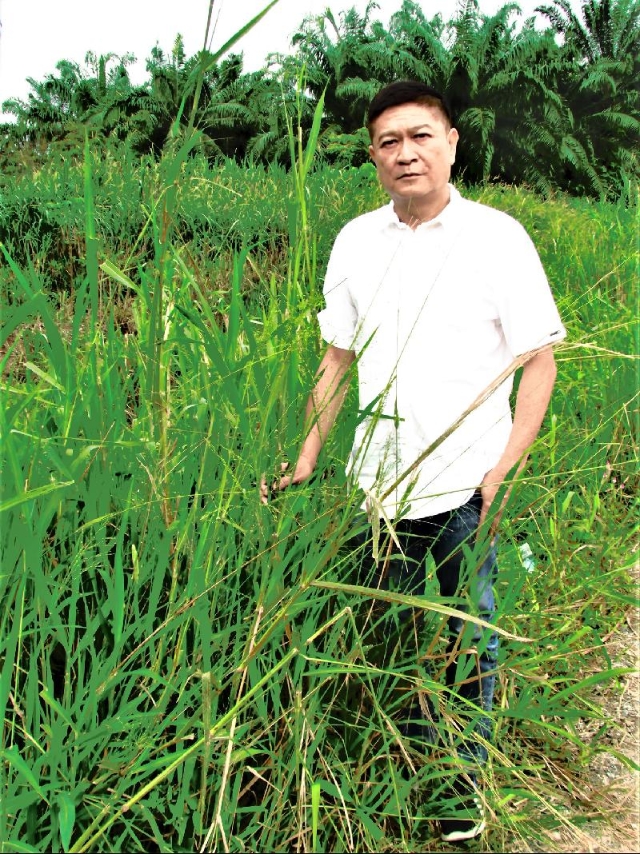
pixel 407 153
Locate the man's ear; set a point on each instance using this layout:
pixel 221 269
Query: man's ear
pixel 452 138
pixel 371 153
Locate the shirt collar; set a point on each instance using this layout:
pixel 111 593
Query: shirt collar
pixel 446 218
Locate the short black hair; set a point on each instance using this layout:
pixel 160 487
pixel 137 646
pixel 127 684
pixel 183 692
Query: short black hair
pixel 407 92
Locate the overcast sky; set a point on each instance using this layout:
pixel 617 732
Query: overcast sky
pixel 36 34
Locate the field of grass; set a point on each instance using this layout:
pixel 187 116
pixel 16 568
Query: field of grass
pixel 184 668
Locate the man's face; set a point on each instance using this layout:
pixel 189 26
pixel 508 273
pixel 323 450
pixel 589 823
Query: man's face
pixel 413 150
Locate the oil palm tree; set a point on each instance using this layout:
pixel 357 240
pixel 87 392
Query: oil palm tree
pixel 350 58
pixel 609 29
pixel 598 81
pixel 52 104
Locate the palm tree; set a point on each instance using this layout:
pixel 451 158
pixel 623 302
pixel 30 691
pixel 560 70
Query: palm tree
pixel 609 30
pixel 63 104
pixel 51 105
pixel 347 59
pixel 492 76
pixel 507 89
pixel 278 106
pixel 597 79
pixel 419 48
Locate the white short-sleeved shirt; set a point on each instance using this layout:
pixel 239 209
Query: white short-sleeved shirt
pixel 434 315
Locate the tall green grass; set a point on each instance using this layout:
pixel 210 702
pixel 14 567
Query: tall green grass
pixel 183 667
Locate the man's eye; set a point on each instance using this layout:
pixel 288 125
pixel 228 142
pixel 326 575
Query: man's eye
pixel 422 135
pixel 387 143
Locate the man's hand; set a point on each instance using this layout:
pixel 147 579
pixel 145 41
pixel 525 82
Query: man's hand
pixel 325 401
pixel 303 471
pixel 491 483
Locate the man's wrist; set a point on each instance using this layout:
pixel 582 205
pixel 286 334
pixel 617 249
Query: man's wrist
pixel 310 459
pixel 493 476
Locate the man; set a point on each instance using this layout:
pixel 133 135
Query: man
pixel 435 296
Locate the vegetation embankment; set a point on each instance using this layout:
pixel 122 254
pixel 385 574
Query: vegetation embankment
pixel 184 667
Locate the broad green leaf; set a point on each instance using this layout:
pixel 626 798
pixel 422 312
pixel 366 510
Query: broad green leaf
pixel 66 818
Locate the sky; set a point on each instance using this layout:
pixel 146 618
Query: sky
pixel 36 34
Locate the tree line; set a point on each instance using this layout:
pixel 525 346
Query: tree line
pixel 554 108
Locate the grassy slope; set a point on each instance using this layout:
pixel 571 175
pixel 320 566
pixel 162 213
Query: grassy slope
pixel 180 665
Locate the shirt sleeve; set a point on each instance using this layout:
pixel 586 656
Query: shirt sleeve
pixel 338 320
pixel 528 313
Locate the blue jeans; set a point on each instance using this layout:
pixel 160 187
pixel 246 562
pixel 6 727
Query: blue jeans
pixel 449 537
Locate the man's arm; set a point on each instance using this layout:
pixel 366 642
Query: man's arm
pixel 534 393
pixel 323 406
